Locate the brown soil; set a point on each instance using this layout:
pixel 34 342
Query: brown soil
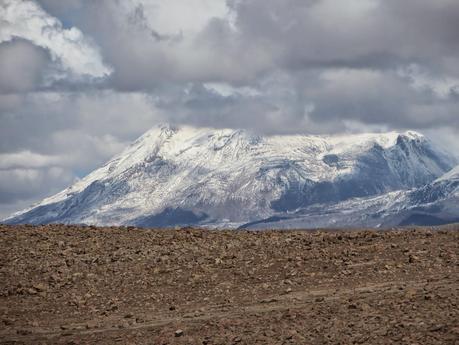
pixel 85 285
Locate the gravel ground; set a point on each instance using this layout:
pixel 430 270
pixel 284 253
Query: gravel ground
pixel 86 285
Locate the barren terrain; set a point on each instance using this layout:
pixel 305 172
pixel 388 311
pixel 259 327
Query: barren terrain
pixel 87 285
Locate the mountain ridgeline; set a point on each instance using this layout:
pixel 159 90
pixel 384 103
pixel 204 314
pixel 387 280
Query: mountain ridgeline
pixel 232 178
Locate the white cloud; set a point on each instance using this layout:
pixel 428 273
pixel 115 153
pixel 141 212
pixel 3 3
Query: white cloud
pixel 173 17
pixel 76 54
pixel 421 79
pixel 27 183
pixel 227 90
pixel 27 159
pixel 447 138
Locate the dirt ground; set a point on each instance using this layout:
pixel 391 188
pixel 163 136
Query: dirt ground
pixel 86 285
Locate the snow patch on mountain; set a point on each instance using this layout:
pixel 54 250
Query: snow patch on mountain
pixel 453 174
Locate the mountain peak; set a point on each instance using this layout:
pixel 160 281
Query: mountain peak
pixel 386 138
pixel 411 137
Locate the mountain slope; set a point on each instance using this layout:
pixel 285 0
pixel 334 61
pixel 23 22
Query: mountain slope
pixel 227 177
pixel 436 203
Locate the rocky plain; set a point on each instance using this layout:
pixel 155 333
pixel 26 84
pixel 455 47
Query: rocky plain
pixel 123 285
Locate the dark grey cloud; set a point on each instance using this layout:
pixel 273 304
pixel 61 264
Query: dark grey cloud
pixel 22 66
pixel 115 68
pixel 266 35
pixel 306 40
pixel 366 34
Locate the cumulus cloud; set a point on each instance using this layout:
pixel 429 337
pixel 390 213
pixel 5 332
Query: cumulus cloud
pixel 24 184
pixel 26 159
pixel 59 123
pixel 26 176
pixel 158 48
pixel 76 54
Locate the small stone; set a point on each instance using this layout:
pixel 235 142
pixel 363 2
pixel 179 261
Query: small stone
pixel 437 328
pixel 178 333
pixel 54 278
pixel 412 259
pixel 8 322
pixel 269 300
pixel 23 332
pixel 128 316
pixel 40 287
pixel 112 307
pixel 32 291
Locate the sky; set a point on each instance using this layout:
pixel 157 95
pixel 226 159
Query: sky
pixel 80 79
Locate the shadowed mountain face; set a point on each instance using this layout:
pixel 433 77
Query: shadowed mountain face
pixel 436 203
pixel 182 176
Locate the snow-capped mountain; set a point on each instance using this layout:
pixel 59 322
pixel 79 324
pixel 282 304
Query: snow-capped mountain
pixel 184 175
